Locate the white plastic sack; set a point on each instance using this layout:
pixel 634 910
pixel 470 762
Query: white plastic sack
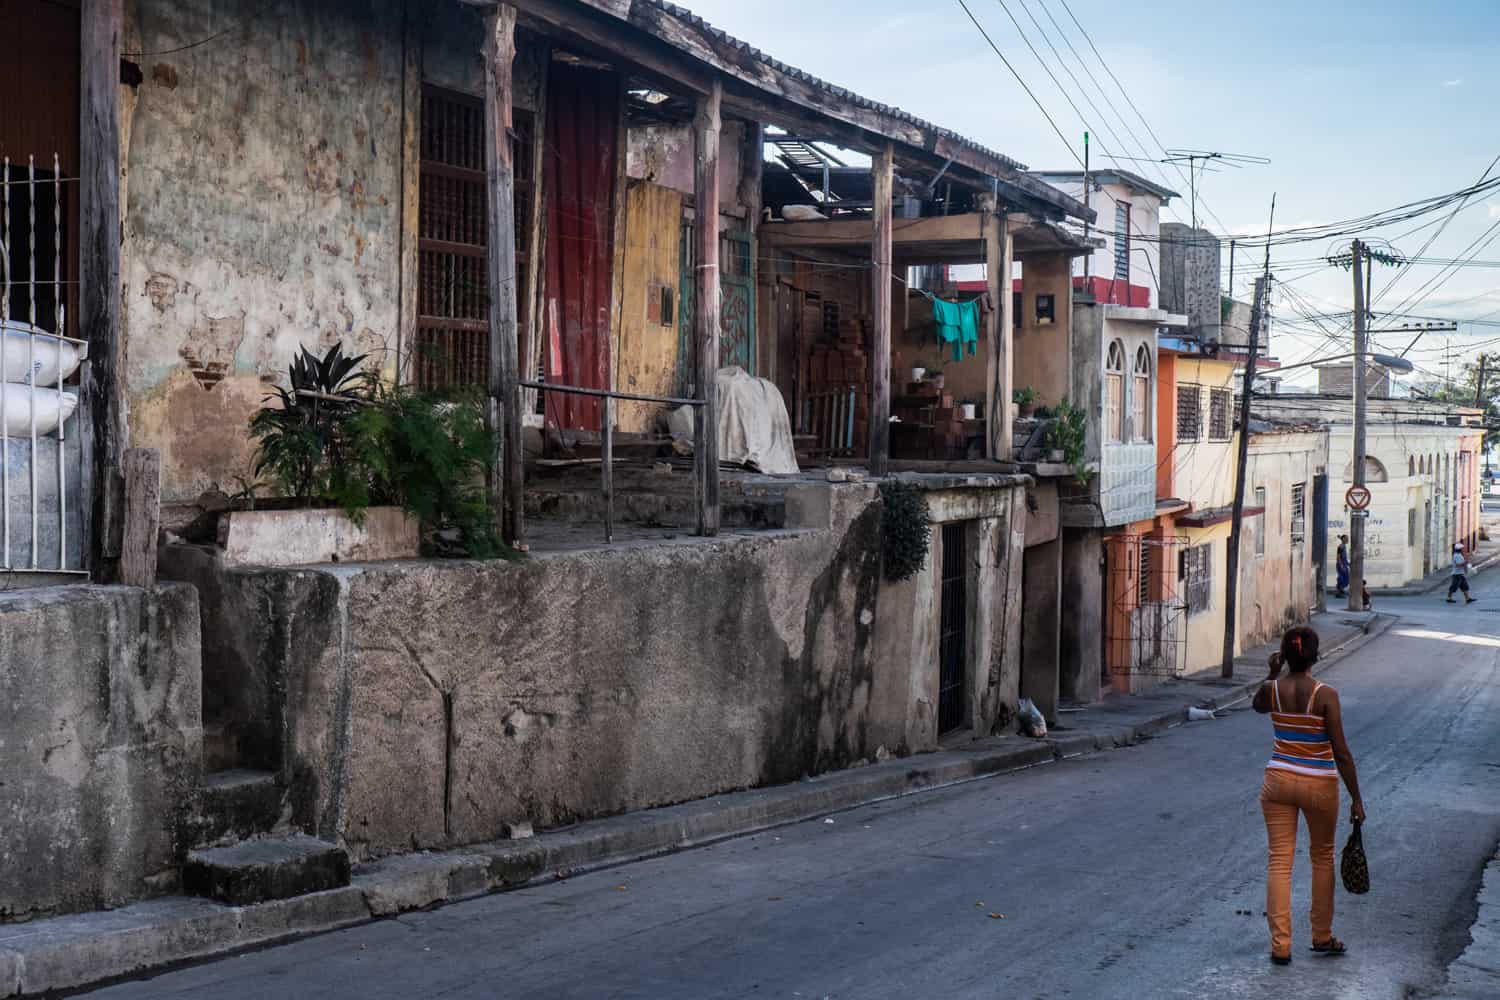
pixel 754 429
pixel 1032 722
pixel 52 408
pixel 35 361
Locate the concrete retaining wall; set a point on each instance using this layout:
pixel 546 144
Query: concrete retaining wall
pixel 430 703
pixel 99 744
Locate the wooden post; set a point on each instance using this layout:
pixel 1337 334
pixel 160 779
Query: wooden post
pixel 102 22
pixel 999 337
pixel 142 508
pixel 706 302
pixel 506 486
pixel 881 170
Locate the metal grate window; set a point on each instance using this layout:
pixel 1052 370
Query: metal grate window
pixel 1299 512
pixel 1195 568
pixel 953 637
pixel 1143 576
pixel 1260 521
pixel 1122 241
pixel 1220 403
pixel 452 342
pixel 831 320
pixel 1189 411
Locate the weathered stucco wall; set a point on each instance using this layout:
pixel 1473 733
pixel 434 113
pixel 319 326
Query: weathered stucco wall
pixel 429 703
pixel 1043 349
pixel 263 214
pixel 1278 589
pixel 99 744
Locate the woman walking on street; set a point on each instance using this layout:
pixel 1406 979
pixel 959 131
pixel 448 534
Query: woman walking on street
pixel 1309 756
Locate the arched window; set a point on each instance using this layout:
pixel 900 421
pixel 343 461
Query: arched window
pixel 1374 471
pixel 1411 465
pixel 1140 395
pixel 1114 392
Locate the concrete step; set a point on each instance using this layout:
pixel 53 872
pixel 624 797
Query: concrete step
pixel 271 868
pixel 237 804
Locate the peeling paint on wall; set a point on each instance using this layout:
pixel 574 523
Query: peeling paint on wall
pixel 263 216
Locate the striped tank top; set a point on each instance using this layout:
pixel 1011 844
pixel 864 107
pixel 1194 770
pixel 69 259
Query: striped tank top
pixel 1302 743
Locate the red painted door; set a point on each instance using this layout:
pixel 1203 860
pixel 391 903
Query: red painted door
pixel 583 116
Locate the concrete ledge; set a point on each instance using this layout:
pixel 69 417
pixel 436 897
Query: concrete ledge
pixel 72 952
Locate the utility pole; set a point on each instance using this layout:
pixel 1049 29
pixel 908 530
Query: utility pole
pixel 1357 517
pixel 1479 382
pixel 1242 460
pixel 1088 201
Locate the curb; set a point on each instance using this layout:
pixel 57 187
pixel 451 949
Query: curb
pixel 87 949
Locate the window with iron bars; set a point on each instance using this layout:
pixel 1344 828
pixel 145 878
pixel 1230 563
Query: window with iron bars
pixel 1220 402
pixel 452 339
pixel 1143 578
pixel 1195 567
pixel 1299 513
pixel 1189 411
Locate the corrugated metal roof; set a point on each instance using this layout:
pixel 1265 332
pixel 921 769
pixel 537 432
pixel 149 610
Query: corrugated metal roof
pixel 682 13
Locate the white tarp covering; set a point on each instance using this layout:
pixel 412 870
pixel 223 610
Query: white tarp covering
pixel 754 429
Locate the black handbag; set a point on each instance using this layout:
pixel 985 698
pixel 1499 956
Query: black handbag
pixel 1353 866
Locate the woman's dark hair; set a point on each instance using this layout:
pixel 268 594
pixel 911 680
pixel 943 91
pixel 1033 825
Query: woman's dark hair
pixel 1299 648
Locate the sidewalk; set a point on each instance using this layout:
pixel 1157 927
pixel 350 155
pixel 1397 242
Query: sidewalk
pixel 1475 974
pixel 1485 554
pixel 82 949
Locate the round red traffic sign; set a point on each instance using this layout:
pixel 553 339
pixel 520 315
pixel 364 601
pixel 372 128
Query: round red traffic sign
pixel 1358 497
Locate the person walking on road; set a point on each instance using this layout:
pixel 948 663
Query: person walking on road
pixel 1309 756
pixel 1341 563
pixel 1459 580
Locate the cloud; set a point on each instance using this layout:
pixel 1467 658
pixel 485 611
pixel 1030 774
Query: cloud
pixel 1452 83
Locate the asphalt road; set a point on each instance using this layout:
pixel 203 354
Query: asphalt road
pixel 1126 874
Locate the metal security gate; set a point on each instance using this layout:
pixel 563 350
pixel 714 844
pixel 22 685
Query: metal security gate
pixel 953 634
pixel 41 500
pixel 1146 625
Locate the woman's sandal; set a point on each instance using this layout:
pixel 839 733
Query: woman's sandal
pixel 1280 959
pixel 1333 946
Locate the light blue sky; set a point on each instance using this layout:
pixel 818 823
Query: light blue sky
pixel 1361 106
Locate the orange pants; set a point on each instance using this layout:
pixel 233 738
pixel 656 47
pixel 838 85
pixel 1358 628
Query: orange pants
pixel 1283 795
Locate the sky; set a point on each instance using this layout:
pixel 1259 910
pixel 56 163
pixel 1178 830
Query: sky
pixel 1359 106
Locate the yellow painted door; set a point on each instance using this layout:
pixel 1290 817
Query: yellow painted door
pixel 648 309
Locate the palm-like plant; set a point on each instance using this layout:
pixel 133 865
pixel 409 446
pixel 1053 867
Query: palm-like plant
pixel 302 442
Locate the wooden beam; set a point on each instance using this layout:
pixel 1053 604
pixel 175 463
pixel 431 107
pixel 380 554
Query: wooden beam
pixel 411 169
pixel 506 484
pixel 999 340
pixel 706 304
pixel 882 174
pixel 594 34
pixel 142 506
pixel 102 22
pixel 850 234
pixel 531 352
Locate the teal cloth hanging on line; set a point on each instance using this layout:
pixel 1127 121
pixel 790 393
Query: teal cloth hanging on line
pixel 957 324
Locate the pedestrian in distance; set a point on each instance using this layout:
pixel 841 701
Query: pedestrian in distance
pixel 1341 563
pixel 1459 578
pixel 1309 755
pixel 1364 586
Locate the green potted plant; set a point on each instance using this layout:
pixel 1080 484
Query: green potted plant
pixel 1025 399
pixel 1066 438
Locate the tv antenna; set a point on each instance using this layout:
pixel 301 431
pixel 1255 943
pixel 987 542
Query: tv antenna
pixel 1197 160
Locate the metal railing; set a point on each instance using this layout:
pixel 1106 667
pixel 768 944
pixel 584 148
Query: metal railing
pixel 607 437
pixel 828 415
pixel 35 399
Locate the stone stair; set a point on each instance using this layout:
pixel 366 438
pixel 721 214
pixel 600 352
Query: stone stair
pixel 254 871
pixel 238 804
